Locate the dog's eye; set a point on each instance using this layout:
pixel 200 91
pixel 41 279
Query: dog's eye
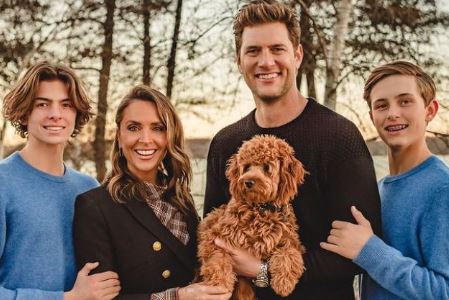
pixel 245 168
pixel 266 168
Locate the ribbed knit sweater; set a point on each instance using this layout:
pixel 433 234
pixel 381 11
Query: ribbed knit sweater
pixel 36 211
pixel 412 261
pixel 341 174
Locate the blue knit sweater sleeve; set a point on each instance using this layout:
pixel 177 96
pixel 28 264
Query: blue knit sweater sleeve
pixel 20 294
pixel 403 276
pixel 26 294
pixel 37 259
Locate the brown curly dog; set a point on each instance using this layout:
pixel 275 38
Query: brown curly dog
pixel 264 176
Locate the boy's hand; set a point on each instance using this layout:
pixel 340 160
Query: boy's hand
pixel 94 287
pixel 347 239
pixel 244 263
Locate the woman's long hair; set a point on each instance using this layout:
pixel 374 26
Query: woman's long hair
pixel 175 170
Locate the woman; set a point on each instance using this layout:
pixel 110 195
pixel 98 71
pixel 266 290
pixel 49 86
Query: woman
pixel 141 223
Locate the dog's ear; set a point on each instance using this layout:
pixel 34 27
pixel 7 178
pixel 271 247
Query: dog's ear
pixel 232 173
pixel 291 176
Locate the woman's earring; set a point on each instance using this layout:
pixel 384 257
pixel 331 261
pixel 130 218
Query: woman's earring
pixel 162 168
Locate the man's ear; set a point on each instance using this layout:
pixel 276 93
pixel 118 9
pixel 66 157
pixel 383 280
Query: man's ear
pixel 237 61
pixel 371 115
pixel 299 54
pixel 431 110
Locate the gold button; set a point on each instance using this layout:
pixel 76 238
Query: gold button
pixel 157 246
pixel 166 274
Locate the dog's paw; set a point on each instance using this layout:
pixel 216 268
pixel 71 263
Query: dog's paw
pixel 283 285
pixel 218 272
pixel 286 268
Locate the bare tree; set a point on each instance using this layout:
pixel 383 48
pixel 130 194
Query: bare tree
pixel 171 63
pixel 343 11
pixel 146 13
pixel 344 38
pixel 308 64
pixel 102 105
pixel 2 137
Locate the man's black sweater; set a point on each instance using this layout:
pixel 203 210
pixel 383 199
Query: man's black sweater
pixel 341 174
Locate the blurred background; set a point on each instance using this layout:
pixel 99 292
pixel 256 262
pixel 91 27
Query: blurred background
pixel 185 48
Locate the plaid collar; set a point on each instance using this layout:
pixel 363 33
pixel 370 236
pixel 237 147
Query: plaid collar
pixel 167 214
pixel 155 192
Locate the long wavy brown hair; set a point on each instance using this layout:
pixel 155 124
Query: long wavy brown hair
pixel 18 103
pixel 175 170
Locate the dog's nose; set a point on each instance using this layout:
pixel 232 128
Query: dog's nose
pixel 249 183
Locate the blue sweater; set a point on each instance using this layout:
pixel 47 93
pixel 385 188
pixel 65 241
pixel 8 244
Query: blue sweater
pixel 36 211
pixel 412 261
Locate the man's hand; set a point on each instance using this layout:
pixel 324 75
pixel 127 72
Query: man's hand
pixel 199 291
pixel 347 239
pixel 99 286
pixel 244 263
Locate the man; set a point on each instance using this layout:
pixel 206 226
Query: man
pixel 48 105
pixel 331 148
pixel 412 260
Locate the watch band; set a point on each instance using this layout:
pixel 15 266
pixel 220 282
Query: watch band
pixel 261 279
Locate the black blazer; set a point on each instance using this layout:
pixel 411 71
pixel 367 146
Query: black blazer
pixel 129 239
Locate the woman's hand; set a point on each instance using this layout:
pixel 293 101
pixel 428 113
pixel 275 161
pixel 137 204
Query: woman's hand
pixel 200 291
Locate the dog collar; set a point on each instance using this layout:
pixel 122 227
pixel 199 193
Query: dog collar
pixel 268 206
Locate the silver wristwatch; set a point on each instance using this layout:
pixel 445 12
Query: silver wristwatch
pixel 261 279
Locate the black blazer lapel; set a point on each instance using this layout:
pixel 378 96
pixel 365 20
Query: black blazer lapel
pixel 145 215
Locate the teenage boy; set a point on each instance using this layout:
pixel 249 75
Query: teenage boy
pixel 331 148
pixel 412 259
pixel 48 105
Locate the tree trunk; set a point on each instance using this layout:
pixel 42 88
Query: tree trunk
pixel 308 64
pixel 102 106
pixel 171 63
pixel 2 138
pixel 146 10
pixel 343 11
pixel 310 76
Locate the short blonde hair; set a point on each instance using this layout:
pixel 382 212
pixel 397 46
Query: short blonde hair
pixel 425 83
pixel 18 103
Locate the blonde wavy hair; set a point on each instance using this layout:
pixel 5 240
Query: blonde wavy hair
pixel 175 170
pixel 426 85
pixel 18 103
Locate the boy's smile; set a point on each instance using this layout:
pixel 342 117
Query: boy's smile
pixel 399 112
pixel 395 128
pixel 52 119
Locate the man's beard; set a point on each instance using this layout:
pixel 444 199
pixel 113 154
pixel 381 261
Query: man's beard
pixel 270 99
